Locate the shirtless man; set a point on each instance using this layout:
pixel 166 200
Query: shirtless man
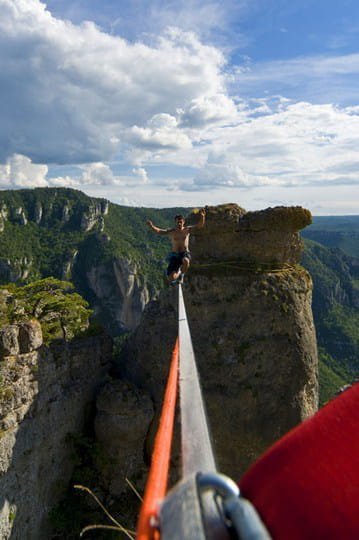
pixel 180 256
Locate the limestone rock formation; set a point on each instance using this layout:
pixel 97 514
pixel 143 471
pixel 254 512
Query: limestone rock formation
pixel 93 215
pixel 120 296
pixel 45 395
pixel 20 338
pixel 38 211
pixel 30 336
pixel 68 265
pixel 20 215
pixel 249 309
pixel 3 216
pixel 4 212
pixel 9 340
pixel 267 236
pixel 65 214
pixel 16 270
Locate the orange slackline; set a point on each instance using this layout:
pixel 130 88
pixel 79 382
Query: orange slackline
pixel 157 479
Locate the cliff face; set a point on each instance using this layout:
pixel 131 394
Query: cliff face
pixel 86 216
pixel 333 274
pixel 249 310
pixel 335 309
pixel 119 296
pixel 45 394
pixel 64 233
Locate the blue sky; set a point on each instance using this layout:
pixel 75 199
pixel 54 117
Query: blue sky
pixel 167 103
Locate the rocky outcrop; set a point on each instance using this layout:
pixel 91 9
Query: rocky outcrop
pixel 45 394
pixel 19 215
pixel 30 336
pixel 68 265
pixel 4 212
pixel 9 340
pixel 93 216
pixel 20 338
pixel 38 213
pixel 15 270
pixel 249 308
pixel 120 295
pixel 85 215
pixel 3 216
pixel 65 214
pixel 264 237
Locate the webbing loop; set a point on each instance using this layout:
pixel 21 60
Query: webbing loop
pixel 157 479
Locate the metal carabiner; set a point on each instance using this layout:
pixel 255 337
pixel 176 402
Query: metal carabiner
pixel 243 518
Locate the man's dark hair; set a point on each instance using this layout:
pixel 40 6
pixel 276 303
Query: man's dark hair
pixel 179 216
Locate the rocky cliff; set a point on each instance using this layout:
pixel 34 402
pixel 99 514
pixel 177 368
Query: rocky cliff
pixel 46 393
pixel 249 308
pixel 63 233
pixel 119 296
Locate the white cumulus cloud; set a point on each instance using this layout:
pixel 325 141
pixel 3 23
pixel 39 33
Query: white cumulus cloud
pixel 19 171
pixel 166 109
pixel 97 173
pixel 209 109
pixel 73 94
pixel 161 132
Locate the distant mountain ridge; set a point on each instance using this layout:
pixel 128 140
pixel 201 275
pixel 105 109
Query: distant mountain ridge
pixel 335 231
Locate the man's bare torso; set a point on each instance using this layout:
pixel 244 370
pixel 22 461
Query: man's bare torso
pixel 180 239
pixel 180 234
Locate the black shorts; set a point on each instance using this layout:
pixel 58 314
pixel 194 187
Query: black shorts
pixel 175 260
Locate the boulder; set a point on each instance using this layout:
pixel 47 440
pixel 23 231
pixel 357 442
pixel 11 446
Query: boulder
pixel 9 340
pixel 30 336
pixel 265 237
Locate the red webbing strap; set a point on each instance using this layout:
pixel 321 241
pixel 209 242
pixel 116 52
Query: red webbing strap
pixel 157 479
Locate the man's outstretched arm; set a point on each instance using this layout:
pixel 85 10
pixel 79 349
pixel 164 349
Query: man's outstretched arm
pixel 156 229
